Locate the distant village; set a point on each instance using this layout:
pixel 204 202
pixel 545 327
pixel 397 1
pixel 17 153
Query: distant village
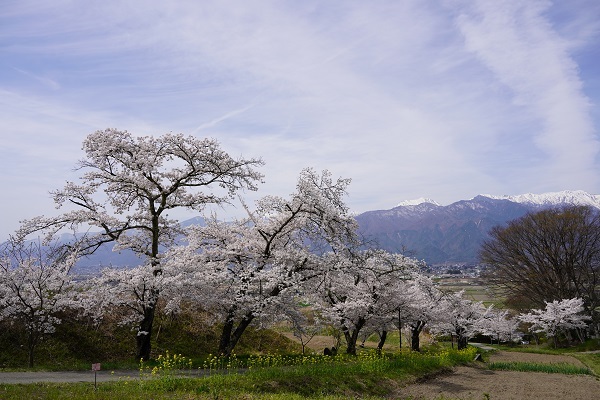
pixel 454 270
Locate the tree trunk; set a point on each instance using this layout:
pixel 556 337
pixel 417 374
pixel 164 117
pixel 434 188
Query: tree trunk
pixel 230 337
pixel 414 338
pixel 144 334
pixel 31 343
pixel 462 342
pixel 225 335
pixel 352 336
pixel 399 330
pixel 581 335
pixel 382 339
pixel 351 339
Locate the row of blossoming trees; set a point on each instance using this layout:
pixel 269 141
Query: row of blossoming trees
pixel 287 251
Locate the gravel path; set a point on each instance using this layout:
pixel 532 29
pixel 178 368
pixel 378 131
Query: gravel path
pixel 79 376
pixel 65 376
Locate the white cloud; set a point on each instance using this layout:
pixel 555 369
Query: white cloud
pixel 409 99
pixel 518 44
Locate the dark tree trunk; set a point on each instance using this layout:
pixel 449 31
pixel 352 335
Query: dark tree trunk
pixel 581 335
pixel 415 331
pixel 230 337
pixel 462 342
pixel 352 336
pixel 144 334
pixel 31 344
pixel 414 338
pixel 351 339
pixel 399 330
pixel 382 339
pixel 225 335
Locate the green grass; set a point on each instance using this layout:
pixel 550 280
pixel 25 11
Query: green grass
pixel 557 368
pixel 548 348
pixel 133 392
pixel 591 360
pixel 269 377
pixel 76 345
pixel 581 351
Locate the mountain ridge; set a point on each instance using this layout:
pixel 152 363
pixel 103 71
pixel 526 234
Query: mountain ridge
pixel 420 228
pixel 578 197
pixel 453 234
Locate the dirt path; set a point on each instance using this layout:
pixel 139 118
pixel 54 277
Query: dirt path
pixel 65 376
pixel 478 383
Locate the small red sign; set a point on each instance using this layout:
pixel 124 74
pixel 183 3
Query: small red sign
pixel 96 367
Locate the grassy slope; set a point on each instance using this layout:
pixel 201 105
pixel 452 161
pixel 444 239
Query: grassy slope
pixel 76 345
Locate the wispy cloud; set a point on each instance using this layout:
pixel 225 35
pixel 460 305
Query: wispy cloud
pixel 48 82
pixel 216 121
pixel 409 99
pixel 519 46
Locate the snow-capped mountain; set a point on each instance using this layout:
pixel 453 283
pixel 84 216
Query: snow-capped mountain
pixel 453 233
pixel 421 228
pixel 416 202
pixel 576 197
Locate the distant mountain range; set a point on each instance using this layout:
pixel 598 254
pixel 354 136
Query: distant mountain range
pixel 104 256
pixel 440 234
pixel 420 228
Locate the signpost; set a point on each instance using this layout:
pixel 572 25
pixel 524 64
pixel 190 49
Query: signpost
pixel 95 368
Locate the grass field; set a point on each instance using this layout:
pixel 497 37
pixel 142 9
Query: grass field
pixel 474 290
pixel 273 377
pixel 588 352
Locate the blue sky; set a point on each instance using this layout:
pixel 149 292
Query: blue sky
pixel 438 99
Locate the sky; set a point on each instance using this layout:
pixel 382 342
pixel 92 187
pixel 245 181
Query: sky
pixel 438 99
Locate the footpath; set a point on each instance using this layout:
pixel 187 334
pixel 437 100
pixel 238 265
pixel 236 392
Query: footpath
pixel 65 376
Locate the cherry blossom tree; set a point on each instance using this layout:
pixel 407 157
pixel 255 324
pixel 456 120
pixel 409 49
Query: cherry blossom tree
pixel 306 324
pixel 35 285
pixel 126 290
pixel 129 185
pixel 252 268
pixel 558 317
pixel 419 302
pixel 499 325
pixel 356 290
pixel 463 318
